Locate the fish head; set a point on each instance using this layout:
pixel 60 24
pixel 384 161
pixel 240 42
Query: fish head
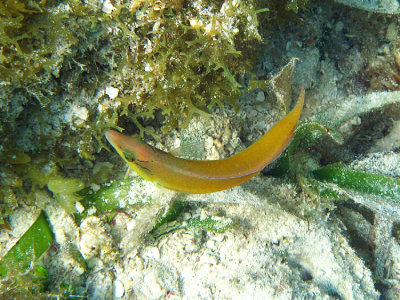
pixel 131 148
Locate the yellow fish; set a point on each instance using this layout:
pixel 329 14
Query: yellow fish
pixel 206 176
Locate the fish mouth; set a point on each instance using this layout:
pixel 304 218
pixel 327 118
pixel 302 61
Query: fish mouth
pixel 112 136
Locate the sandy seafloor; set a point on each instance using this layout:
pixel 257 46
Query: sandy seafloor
pixel 282 244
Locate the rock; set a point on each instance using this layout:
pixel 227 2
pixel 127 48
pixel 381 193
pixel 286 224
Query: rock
pixel 377 6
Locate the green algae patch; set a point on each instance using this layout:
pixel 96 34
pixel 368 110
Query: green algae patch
pixel 208 224
pixel 28 249
pixel 173 213
pixel 213 223
pixel 115 195
pixel 171 221
pixel 107 198
pixel 382 186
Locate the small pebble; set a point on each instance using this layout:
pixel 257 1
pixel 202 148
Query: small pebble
pixel 79 207
pixel 118 288
pixel 112 92
pixel 260 97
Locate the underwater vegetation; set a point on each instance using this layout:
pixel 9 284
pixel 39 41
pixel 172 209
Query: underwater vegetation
pixel 25 60
pixel 77 69
pixel 150 57
pixel 28 248
pixel 303 161
pixel 19 258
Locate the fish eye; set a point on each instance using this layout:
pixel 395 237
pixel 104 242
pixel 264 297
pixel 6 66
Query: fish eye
pixel 129 156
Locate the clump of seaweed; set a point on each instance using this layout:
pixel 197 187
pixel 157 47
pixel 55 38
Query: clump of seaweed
pixel 21 258
pixel 181 61
pixel 20 30
pixel 29 34
pixel 173 57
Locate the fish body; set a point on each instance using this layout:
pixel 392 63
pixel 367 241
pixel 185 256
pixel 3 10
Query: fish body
pixel 206 176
